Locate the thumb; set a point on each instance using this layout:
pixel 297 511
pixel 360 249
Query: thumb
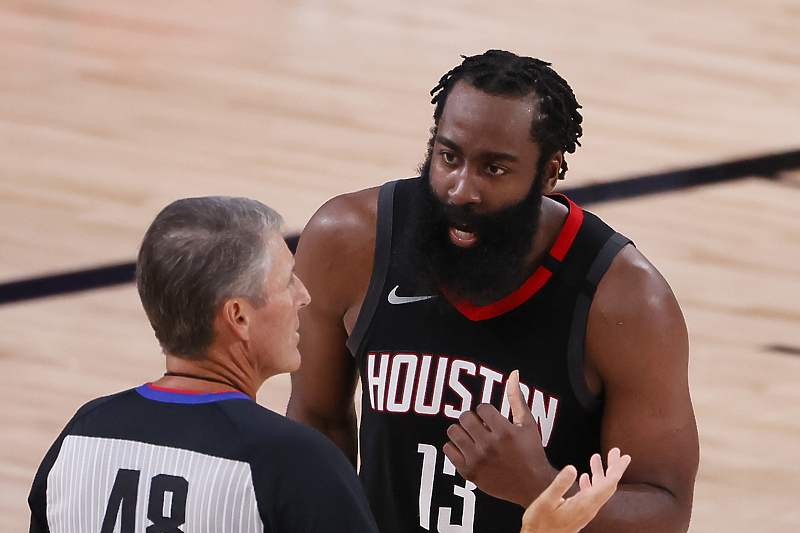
pixel 519 407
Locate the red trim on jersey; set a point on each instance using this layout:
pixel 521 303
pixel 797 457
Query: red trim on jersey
pixel 569 231
pixel 536 281
pixel 183 391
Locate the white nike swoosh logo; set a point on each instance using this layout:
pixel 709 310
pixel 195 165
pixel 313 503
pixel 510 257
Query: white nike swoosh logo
pixel 394 299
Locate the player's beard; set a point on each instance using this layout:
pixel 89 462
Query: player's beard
pixel 495 265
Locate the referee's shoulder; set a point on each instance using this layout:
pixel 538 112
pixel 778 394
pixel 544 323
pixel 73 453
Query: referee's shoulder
pixel 261 429
pixel 91 405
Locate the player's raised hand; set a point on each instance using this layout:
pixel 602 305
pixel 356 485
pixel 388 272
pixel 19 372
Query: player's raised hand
pixel 551 513
pixel 503 459
pixel 520 413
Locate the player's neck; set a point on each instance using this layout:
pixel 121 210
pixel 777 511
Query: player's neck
pixel 551 221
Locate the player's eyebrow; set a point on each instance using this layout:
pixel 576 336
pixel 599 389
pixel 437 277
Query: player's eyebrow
pixel 499 156
pixel 487 155
pixel 447 142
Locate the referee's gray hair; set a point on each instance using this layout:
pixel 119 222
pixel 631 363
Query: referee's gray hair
pixel 197 253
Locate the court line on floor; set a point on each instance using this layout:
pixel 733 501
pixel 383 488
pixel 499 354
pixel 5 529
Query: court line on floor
pixel 764 166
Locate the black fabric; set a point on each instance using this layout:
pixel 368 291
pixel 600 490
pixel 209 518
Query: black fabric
pixel 300 480
pixel 380 265
pixel 407 407
pixel 580 318
pixel 550 263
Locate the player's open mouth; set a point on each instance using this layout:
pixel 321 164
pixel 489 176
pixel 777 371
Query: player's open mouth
pixel 463 235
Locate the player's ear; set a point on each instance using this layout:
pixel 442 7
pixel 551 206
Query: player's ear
pixel 235 317
pixel 551 170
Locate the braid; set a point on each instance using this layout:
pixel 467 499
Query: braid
pixel 496 72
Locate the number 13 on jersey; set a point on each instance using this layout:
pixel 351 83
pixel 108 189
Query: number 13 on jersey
pixel 427 479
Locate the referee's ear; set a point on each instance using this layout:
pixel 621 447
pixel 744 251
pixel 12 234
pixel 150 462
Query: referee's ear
pixel 234 319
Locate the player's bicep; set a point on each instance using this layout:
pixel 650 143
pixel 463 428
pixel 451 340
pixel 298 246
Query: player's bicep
pixel 324 384
pixel 334 262
pixel 637 341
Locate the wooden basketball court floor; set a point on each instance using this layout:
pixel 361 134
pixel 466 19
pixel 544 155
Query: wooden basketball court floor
pixel 111 109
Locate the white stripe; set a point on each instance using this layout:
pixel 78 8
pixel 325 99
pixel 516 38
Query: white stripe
pixel 220 491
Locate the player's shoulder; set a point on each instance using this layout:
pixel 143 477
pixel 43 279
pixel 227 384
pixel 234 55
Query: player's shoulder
pixel 334 253
pixel 632 282
pixel 345 215
pixel 635 317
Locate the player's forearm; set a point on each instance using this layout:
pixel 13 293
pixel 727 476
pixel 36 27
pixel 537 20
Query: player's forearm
pixel 640 507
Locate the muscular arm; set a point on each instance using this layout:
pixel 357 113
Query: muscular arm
pixel 334 261
pixel 637 357
pixel 637 353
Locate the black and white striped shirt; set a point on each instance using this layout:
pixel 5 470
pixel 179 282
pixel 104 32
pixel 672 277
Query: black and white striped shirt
pixel 158 460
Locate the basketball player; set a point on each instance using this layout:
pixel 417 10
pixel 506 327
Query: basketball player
pixel 193 451
pixel 434 289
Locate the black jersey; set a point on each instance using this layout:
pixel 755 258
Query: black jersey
pixel 425 360
pixel 156 460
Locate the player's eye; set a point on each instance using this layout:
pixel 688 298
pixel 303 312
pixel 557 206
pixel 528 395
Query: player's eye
pixel 448 157
pixel 495 170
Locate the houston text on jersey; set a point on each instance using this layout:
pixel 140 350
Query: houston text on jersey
pixel 403 381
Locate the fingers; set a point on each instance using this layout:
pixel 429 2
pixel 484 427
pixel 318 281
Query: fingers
pixel 596 466
pixel 473 422
pixel 544 507
pixel 603 484
pixel 486 417
pixel 454 454
pixel 585 482
pixel 576 511
pixel 519 407
pixel 613 455
pixel 616 465
pixel 460 435
pixel 553 494
pixel 490 419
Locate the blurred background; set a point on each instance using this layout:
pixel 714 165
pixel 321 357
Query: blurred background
pixel 111 109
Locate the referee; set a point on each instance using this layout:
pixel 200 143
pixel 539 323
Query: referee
pixel 193 451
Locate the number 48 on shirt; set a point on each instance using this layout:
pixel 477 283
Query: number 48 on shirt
pixel 166 505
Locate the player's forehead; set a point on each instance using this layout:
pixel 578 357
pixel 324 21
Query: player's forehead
pixel 472 115
pixel 464 95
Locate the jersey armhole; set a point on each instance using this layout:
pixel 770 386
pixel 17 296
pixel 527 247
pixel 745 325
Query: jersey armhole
pixel 580 316
pixel 380 266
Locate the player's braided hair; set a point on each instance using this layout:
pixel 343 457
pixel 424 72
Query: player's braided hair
pixel 497 72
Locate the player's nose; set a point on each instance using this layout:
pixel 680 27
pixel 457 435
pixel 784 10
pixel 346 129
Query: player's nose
pixel 463 188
